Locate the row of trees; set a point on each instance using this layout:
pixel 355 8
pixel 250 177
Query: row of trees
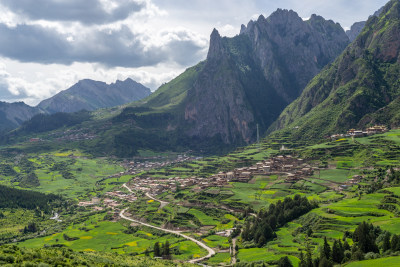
pixel 368 242
pixel 162 250
pixel 265 223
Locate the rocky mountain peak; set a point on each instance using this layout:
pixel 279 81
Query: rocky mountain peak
pixel 283 16
pixel 216 47
pixel 249 79
pixel 242 28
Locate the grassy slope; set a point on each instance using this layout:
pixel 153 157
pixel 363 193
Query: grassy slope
pixel 353 89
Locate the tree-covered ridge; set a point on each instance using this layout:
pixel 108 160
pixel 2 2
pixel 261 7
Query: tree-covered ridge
pixel 31 200
pixel 262 229
pixel 360 88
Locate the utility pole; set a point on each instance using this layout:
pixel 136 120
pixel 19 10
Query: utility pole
pixel 258 138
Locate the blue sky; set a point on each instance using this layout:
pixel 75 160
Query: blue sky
pixel 48 45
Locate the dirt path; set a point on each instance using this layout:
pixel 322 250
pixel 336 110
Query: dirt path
pixel 211 252
pixel 162 203
pixel 130 190
pixel 233 252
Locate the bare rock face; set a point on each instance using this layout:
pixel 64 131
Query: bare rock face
pixel 250 78
pixel 91 95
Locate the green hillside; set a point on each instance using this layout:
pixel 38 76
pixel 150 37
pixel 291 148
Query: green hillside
pixel 360 88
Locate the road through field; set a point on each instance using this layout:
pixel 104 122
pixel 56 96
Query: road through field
pixel 211 252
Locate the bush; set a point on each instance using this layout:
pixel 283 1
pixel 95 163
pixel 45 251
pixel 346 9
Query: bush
pixel 371 256
pixel 358 255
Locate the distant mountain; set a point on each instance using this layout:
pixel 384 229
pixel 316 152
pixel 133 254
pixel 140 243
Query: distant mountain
pixel 357 27
pixel 360 88
pixel 13 114
pixel 91 95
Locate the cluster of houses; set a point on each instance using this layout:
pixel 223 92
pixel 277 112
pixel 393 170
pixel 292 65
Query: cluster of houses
pixel 156 186
pixel 377 129
pixel 135 167
pixel 349 183
pixel 294 168
pixel 99 204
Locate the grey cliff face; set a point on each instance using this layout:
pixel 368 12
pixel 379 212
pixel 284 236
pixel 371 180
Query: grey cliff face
pixel 249 79
pixel 292 51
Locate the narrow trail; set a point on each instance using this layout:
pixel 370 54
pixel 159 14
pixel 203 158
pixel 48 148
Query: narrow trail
pixel 211 252
pixel 130 190
pixel 162 203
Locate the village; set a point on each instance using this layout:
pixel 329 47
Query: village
pixel 377 129
pixel 151 163
pixel 292 168
pixel 295 169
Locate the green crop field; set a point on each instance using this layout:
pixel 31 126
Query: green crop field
pixel 215 241
pixel 391 261
pixel 94 234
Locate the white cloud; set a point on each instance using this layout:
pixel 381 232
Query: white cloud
pixel 150 44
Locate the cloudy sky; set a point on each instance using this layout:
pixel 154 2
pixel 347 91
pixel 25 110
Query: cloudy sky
pixel 48 45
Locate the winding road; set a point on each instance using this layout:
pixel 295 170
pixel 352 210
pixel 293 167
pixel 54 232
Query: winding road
pixel 211 252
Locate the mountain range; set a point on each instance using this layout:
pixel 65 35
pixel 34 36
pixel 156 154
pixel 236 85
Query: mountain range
pixel 245 81
pixel 91 95
pixel 360 88
pixel 87 95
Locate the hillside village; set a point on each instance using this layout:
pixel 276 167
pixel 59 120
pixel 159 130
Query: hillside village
pixel 291 168
pixel 377 129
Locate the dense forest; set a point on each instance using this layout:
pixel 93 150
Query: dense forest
pixel 16 198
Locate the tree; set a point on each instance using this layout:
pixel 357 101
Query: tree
pixel 31 228
pixel 309 262
pixel 395 243
pixel 346 245
pixel 386 242
pixel 336 252
pixel 157 252
pixel 284 262
pixel 166 252
pixel 365 236
pixel 302 261
pixel 326 250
